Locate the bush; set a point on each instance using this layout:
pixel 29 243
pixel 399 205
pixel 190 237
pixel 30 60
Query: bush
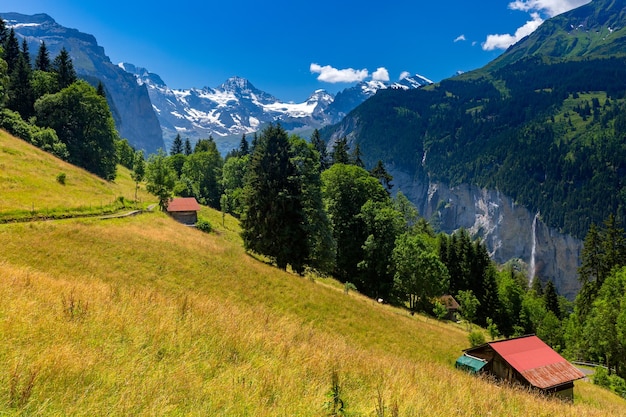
pixel 204 226
pixel 61 178
pixel 476 338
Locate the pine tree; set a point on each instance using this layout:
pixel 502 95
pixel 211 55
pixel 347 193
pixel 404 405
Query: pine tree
pixel 100 90
pixel 11 51
pixel 356 156
pixel 382 175
pixel 551 299
pixel 320 146
pixel 42 62
pixel 340 152
pixel 188 149
pixel 244 147
pixel 64 67
pixel 21 96
pixel 273 222
pixel 177 145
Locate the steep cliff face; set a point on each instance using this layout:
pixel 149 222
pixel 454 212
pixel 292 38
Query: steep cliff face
pixel 134 116
pixel 509 230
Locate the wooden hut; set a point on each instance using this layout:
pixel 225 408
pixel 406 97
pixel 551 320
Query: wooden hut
pixel 525 360
pixel 184 210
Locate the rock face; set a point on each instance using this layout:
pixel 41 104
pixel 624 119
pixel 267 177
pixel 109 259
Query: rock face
pixel 134 116
pixel 509 230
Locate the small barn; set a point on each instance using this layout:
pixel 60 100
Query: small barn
pixel 525 360
pixel 184 210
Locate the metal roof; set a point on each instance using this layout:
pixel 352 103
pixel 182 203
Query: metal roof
pixel 183 204
pixel 470 363
pixel 537 362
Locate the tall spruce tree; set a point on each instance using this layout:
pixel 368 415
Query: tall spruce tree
pixel 42 62
pixel 177 145
pixel 21 96
pixel 188 148
pixel 64 67
pixel 340 153
pixel 320 146
pixel 11 51
pixel 273 223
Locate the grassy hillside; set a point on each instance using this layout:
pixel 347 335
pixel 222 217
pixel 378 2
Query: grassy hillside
pixel 29 186
pixel 143 316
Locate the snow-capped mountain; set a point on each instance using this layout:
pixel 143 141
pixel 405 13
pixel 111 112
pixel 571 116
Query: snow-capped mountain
pixel 237 107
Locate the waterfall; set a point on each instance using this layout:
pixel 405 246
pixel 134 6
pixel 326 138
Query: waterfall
pixel 533 252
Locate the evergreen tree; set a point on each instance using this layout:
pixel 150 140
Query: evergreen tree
pixel 177 145
pixel 188 149
pixel 100 90
pixel 273 223
pixel 21 97
pixel 379 172
pixel 11 51
pixel 356 156
pixel 42 62
pixel 551 299
pixel 64 67
pixel 320 146
pixel 244 147
pixel 340 151
pixel 25 52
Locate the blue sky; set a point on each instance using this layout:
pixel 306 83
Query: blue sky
pixel 290 48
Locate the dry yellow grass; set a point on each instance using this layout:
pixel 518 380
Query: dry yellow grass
pixel 143 316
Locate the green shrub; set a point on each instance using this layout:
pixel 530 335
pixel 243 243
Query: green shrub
pixel 204 226
pixel 61 178
pixel 476 338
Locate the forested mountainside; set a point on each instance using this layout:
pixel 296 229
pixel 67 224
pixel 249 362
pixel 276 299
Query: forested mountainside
pixel 547 131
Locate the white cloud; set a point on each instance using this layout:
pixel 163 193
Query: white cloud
pixel 404 75
pixel 550 7
pixel 536 8
pixel 460 38
pixel 333 75
pixel 506 40
pixel 381 74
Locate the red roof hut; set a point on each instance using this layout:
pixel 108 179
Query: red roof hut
pixel 528 361
pixel 184 210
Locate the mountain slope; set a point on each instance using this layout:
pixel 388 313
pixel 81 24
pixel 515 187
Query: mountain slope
pixel 143 316
pixel 538 129
pixel 130 104
pixel 237 107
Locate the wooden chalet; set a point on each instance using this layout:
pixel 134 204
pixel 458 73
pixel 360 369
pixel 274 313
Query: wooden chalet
pixel 184 210
pixel 525 360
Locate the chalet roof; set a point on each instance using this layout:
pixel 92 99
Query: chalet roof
pixel 541 366
pixel 183 204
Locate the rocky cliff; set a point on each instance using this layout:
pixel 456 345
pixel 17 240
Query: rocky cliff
pixel 134 116
pixel 509 230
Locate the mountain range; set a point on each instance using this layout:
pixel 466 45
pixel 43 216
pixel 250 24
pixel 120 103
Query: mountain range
pixel 237 107
pixel 150 114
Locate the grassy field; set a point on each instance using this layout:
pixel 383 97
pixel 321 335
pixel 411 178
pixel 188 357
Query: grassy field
pixel 29 185
pixel 144 316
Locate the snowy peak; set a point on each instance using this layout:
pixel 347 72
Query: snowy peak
pixel 237 106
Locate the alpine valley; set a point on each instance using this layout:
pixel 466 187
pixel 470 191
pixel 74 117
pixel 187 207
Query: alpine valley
pixel 525 153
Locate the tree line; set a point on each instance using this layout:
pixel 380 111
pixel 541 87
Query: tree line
pixel 305 206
